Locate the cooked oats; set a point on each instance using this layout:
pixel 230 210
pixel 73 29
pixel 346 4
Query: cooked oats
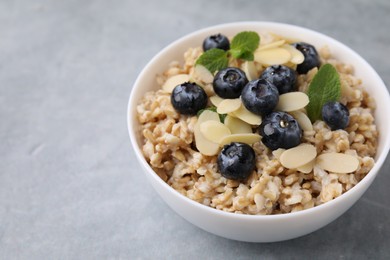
pixel 168 146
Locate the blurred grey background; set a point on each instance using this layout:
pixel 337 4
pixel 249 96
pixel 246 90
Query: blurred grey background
pixel 70 187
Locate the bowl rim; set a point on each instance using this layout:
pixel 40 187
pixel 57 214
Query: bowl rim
pixel 131 117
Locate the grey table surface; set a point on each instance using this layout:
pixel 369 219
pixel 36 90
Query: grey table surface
pixel 70 187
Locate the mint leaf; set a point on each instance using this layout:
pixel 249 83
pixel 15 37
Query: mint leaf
pixel 244 44
pixel 242 54
pixel 213 60
pixel 324 87
pixel 235 52
pixel 214 109
pixel 247 56
pixel 222 117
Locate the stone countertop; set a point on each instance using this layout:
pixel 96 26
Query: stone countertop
pixel 70 187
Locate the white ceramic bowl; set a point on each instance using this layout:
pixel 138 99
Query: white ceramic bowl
pixel 247 227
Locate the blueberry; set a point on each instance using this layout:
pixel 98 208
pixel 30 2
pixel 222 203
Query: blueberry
pixel 280 130
pixel 236 161
pixel 260 96
pixel 311 57
pixel 283 77
pixel 229 82
pixel 216 41
pixel 335 115
pixel 188 98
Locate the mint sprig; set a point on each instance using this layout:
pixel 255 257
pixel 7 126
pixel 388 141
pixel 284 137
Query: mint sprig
pixel 243 46
pixel 324 87
pixel 213 60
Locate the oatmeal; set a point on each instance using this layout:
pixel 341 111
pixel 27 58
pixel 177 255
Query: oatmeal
pixel 185 149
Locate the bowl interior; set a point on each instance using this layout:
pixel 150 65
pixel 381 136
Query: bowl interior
pixel 174 52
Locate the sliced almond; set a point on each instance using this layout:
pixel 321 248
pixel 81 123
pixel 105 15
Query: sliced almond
pixel 278 152
pixel 296 56
pixel 297 156
pixel 249 68
pixel 272 56
pixel 201 76
pixel 278 37
pixel 203 145
pixel 267 38
pixel 214 131
pixel 237 126
pixel 303 120
pixel 292 101
pixel 337 162
pixel 216 100
pixel 243 138
pixel 271 45
pixel 306 168
pixel 173 81
pixel 247 116
pixel 228 105
pixel 291 65
pixel 208 115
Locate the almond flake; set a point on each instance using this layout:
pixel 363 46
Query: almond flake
pixel 228 105
pixel 306 168
pixel 173 81
pixel 303 120
pixel 243 138
pixel 205 146
pixel 291 65
pixel 237 126
pixel 296 56
pixel 278 152
pixel 214 131
pixel 201 75
pixel 216 100
pixel 272 56
pixel 298 156
pixel 271 45
pixel 292 101
pixel 247 116
pixel 337 162
pixel 249 68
